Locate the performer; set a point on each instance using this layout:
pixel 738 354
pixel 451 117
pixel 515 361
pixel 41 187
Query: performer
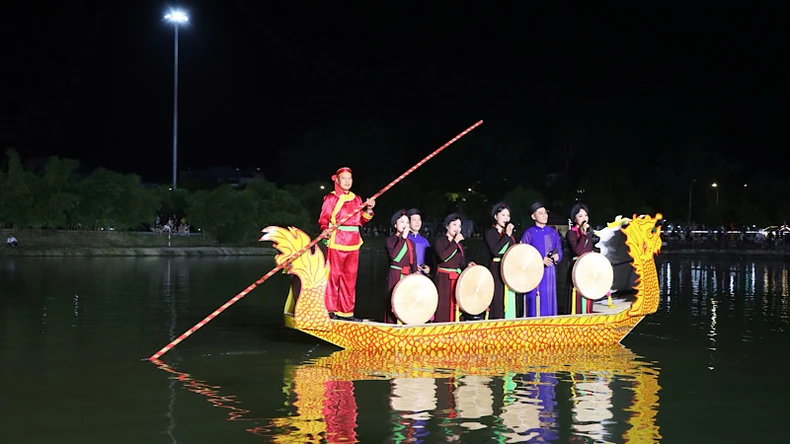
pixel 580 241
pixel 546 240
pixel 403 259
pixel 342 252
pixel 451 260
pixel 498 239
pixel 421 244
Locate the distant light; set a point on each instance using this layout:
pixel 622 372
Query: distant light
pixel 744 185
pixel 177 16
pixel 714 185
pixel 322 187
pixel 469 189
pixel 170 188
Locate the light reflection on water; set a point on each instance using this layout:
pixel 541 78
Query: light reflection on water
pixel 475 402
pixel 72 333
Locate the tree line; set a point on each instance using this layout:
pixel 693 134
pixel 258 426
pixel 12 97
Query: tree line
pixel 61 196
pixel 58 197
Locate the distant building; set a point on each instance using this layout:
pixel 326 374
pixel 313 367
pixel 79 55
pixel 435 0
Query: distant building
pixel 221 174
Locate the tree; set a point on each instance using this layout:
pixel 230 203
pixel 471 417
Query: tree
pixel 519 200
pixel 57 194
pixel 223 213
pixel 113 200
pixel 17 203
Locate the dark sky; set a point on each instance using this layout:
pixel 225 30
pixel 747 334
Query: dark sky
pixel 93 80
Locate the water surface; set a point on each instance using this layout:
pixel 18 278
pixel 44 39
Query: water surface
pixel 705 368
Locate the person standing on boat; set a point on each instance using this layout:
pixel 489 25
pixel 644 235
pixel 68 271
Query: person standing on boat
pixel 498 239
pixel 580 241
pixel 547 241
pixel 342 253
pixel 451 260
pixel 403 259
pixel 421 244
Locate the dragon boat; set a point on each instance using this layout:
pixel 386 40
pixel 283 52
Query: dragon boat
pixel 307 312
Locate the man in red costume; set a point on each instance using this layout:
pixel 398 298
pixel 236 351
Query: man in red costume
pixel 342 253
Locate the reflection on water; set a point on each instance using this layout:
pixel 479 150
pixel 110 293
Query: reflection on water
pixel 474 401
pixel 73 331
pixel 592 404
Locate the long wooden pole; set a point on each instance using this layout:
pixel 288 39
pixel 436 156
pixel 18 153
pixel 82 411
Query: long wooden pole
pixel 293 257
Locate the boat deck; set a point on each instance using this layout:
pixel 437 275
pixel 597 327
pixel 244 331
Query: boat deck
pixel 600 307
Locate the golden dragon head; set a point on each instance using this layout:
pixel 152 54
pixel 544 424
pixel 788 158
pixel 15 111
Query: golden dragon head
pixel 643 237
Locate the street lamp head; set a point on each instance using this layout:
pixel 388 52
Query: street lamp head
pixel 714 185
pixel 176 16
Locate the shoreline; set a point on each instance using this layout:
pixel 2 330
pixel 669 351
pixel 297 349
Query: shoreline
pixel 198 251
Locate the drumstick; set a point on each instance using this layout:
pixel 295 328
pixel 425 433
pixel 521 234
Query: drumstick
pixel 284 264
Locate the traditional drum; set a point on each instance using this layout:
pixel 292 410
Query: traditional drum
pixel 474 289
pixel 593 275
pixel 522 268
pixel 414 299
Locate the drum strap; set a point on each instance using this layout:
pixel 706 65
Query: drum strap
pixel 347 228
pixel 510 295
pixel 510 303
pixel 453 272
pixel 404 271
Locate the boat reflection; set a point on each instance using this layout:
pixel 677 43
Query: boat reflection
pixel 440 398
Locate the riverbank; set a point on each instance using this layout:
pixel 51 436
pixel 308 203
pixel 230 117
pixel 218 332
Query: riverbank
pixel 45 243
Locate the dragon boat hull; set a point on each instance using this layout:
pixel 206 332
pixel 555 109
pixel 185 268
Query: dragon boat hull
pixel 308 314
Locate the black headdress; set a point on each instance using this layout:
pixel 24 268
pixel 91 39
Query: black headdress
pixel 535 207
pixel 398 214
pixel 450 218
pixel 497 208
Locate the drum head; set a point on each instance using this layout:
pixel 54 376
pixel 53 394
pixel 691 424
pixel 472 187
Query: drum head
pixel 474 289
pixel 522 268
pixel 414 299
pixel 593 275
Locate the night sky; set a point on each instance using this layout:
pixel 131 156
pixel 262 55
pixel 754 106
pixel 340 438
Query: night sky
pixel 93 80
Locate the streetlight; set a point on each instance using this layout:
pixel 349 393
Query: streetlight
pixel 691 188
pixel 177 18
pixel 716 187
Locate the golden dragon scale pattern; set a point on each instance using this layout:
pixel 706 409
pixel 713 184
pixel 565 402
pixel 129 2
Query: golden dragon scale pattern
pixel 643 238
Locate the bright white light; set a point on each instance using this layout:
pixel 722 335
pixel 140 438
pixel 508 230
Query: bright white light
pixel 177 16
pixel 322 187
pixel 714 185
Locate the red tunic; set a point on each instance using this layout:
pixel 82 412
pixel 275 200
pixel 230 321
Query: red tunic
pixel 451 261
pixel 342 253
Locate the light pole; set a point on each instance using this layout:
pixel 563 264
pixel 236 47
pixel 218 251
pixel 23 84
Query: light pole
pixel 691 188
pixel 177 18
pixel 716 187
